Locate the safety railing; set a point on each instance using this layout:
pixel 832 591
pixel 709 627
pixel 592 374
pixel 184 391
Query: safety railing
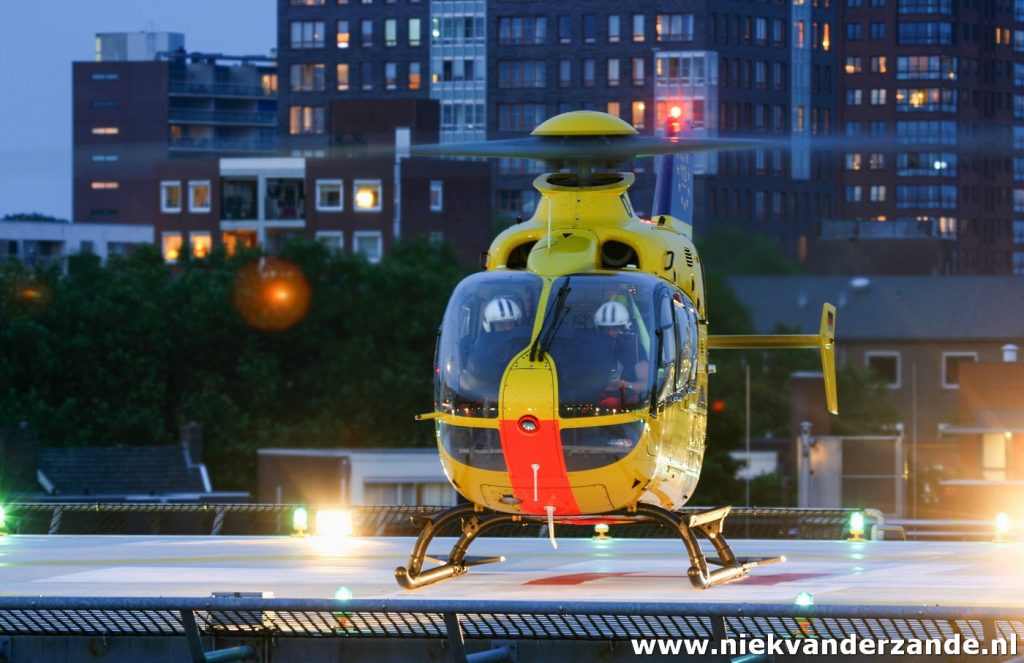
pixel 455 621
pixel 276 519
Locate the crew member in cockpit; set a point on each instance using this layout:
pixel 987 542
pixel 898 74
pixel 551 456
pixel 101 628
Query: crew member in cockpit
pixel 629 372
pixel 503 336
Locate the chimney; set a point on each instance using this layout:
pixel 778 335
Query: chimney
pixel 1010 353
pixel 192 443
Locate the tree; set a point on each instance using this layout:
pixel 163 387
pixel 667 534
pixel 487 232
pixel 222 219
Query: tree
pixel 127 352
pixel 33 216
pixel 726 253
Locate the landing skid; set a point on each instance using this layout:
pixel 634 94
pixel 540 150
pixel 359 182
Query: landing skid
pixel 475 521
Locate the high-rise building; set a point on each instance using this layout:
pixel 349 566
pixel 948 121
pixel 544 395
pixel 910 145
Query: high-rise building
pixel 498 69
pixel 933 119
pixel 130 113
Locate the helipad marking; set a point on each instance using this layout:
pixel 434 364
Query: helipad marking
pixel 580 578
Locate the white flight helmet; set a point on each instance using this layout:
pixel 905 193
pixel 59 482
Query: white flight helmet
pixel 612 314
pixel 501 309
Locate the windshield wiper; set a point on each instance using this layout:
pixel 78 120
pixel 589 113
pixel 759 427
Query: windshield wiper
pixel 547 331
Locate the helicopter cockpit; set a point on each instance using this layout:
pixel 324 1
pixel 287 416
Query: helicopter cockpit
pixel 617 341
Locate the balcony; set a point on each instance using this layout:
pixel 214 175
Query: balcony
pixel 238 208
pixel 251 118
pixel 204 89
pixel 223 144
pixel 923 228
pixel 284 209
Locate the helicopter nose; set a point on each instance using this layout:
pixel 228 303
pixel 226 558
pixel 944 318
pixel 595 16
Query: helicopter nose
pixel 531 440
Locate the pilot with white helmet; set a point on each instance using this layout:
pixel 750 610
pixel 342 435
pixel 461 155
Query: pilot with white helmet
pixel 502 314
pixel 503 336
pixel 629 374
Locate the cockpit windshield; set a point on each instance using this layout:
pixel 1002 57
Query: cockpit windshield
pixel 601 334
pixel 488 321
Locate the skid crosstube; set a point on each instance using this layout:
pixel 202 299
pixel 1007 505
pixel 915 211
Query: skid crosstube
pixel 473 521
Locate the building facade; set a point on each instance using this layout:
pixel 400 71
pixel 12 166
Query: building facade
pixel 933 114
pixel 922 337
pixel 498 69
pixel 130 113
pixel 363 197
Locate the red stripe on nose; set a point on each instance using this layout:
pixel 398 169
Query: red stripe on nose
pixel 536 467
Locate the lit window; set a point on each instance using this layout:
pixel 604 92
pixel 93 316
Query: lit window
pixel 199 196
pixel 613 108
pixel 105 131
pixel 329 196
pixel 344 37
pixel 334 240
pixel 171 243
pixel 170 196
pixel 366 195
pixel 436 195
pixel 202 244
pixel 306 120
pixel 105 186
pixel 638 114
pixel 368 244
pixel 105 158
pixel 877 193
pixel 951 367
pixel 885 366
pixel 307 77
pixel 390 32
pixel 343 77
pixel 415 77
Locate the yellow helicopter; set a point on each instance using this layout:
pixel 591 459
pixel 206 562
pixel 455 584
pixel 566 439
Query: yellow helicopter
pixel 571 375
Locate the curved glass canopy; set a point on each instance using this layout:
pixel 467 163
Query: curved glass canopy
pixel 616 341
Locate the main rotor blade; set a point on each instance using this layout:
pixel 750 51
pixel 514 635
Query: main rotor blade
pixel 595 149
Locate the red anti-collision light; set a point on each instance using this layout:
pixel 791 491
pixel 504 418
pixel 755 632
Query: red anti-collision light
pixel 529 424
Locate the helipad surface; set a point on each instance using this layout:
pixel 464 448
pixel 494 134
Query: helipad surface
pixel 835 572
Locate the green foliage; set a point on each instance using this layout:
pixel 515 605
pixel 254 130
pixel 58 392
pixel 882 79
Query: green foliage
pixel 864 408
pixel 32 216
pixel 127 352
pixel 730 251
pixel 724 253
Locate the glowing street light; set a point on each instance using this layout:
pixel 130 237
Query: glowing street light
pixel 300 522
pixel 856 526
pixel 1003 526
pixel 334 523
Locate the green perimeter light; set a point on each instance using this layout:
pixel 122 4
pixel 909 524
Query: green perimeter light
pixel 3 519
pixel 804 599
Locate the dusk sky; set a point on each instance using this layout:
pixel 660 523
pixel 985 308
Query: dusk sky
pixel 38 42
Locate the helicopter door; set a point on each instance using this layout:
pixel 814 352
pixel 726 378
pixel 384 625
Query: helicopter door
pixel 668 356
